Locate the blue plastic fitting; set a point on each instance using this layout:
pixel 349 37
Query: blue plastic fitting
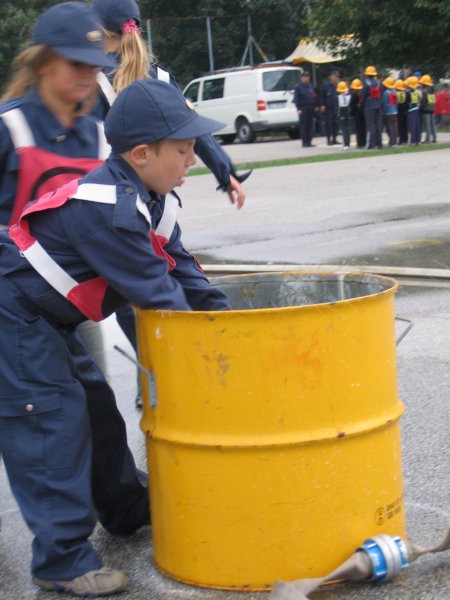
pixel 388 555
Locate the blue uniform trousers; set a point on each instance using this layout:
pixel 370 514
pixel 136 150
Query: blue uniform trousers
pixel 306 126
pixel 63 443
pixel 414 127
pixel 373 120
pixel 331 124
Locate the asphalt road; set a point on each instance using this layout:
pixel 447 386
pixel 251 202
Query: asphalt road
pixel 391 210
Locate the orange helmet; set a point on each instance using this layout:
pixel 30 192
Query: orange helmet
pixel 426 80
pixel 412 82
pixel 400 85
pixel 371 70
pixel 356 84
pixel 389 83
pixel 342 87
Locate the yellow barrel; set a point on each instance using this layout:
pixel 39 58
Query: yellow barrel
pixel 274 447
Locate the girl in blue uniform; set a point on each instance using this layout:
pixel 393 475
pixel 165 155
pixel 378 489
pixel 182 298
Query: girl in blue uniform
pixel 120 20
pixel 80 253
pixel 46 138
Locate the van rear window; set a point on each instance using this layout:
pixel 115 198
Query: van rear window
pixel 280 81
pixel 213 88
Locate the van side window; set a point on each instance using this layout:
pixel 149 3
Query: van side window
pixel 280 81
pixel 213 88
pixel 192 92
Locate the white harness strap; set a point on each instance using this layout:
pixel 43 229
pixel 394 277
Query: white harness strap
pixel 162 75
pixel 106 194
pixel 104 149
pixel 106 87
pixel 169 217
pixel 49 269
pixel 19 130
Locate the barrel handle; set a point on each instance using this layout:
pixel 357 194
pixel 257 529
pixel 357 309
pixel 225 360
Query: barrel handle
pixel 151 382
pixel 407 329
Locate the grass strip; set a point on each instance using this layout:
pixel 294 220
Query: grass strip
pixel 282 162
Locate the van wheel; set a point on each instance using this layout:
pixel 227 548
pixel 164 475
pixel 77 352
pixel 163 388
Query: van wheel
pixel 245 132
pixel 228 138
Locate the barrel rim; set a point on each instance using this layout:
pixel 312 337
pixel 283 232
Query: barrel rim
pixel 389 291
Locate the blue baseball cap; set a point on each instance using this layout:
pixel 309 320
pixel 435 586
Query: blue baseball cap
pixel 149 110
pixel 113 13
pixel 71 30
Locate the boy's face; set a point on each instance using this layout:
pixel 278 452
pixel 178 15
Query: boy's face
pixel 164 166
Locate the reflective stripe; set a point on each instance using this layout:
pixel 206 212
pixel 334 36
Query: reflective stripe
pixel 4 227
pixel 104 149
pixel 162 75
pixel 106 194
pixel 169 217
pixel 19 130
pixel 47 268
pixel 106 87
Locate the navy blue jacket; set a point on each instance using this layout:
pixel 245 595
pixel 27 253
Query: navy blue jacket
pixel 89 239
pixel 304 96
pixel 328 96
pixel 78 141
pixel 206 146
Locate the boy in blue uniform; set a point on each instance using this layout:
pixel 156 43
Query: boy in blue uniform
pixel 78 253
pixel 372 107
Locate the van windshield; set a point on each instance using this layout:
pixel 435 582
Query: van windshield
pixel 280 81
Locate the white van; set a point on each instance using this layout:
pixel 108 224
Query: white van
pixel 248 100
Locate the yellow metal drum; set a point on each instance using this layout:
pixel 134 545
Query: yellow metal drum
pixel 274 448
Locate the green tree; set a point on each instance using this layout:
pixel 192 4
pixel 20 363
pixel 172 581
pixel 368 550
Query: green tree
pixel 179 34
pixel 390 33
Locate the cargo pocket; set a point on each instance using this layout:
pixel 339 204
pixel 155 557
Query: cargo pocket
pixel 34 433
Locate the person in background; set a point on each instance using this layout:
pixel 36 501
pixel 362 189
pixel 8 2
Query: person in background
pixel 125 47
pixel 442 107
pixel 357 112
pixel 372 107
pixel 427 106
pixel 305 101
pixel 329 107
pixel 402 111
pixel 413 107
pixel 390 110
pixel 344 98
pixel 78 253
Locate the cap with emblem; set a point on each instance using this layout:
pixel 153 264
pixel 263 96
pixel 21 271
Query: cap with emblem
pixel 71 30
pixel 113 13
pixel 149 110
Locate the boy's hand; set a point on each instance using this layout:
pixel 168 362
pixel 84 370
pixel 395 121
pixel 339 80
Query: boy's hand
pixel 236 192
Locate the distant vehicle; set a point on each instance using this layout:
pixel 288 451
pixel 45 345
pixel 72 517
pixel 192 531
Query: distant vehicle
pixel 248 99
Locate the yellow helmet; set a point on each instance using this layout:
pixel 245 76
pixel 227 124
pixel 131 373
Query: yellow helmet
pixel 400 85
pixel 356 84
pixel 370 70
pixel 389 83
pixel 342 87
pixel 412 82
pixel 426 80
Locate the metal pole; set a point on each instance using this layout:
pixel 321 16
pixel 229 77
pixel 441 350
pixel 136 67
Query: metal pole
pixel 250 39
pixel 210 48
pixel 149 38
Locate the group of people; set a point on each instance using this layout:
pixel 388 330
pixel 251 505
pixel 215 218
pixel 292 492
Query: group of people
pixel 405 108
pixel 93 140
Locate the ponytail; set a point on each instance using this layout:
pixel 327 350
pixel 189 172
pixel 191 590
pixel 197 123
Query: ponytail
pixel 135 59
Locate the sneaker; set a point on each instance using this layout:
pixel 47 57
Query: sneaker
pixel 101 582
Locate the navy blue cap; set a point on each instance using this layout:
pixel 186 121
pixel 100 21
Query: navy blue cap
pixel 149 110
pixel 113 13
pixel 71 30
